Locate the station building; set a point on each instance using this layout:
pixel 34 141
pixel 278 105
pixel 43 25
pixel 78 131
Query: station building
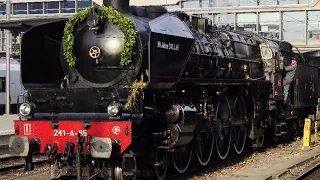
pixel 295 21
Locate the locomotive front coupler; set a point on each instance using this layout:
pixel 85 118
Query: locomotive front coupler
pixel 68 153
pixel 51 152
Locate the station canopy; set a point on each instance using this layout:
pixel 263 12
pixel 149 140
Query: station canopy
pixel 24 24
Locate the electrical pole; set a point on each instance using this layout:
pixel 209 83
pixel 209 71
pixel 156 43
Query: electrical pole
pixel 7 60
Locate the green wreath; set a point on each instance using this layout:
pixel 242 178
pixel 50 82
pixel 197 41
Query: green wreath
pixel 109 13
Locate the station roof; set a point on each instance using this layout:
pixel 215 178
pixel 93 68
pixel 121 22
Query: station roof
pixel 24 24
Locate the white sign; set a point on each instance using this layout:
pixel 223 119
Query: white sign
pixel 27 129
pixel 116 130
pixel 170 46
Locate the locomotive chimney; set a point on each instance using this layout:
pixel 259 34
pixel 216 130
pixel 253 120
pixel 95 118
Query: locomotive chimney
pixel 117 4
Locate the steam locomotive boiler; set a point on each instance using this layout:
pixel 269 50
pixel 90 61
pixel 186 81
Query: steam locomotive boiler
pixel 120 91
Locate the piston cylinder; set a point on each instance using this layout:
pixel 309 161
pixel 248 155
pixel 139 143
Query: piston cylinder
pixel 181 131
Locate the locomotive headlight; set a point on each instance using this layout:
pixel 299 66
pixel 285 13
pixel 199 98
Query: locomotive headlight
pixel 93 20
pixel 26 109
pixel 114 109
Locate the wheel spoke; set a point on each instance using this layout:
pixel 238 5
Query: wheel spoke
pixel 239 131
pixel 223 139
pixel 162 168
pixel 239 138
pixel 181 160
pixel 204 145
pixel 223 145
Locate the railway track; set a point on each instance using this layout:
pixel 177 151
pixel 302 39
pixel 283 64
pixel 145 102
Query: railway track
pixel 311 174
pixel 194 170
pixel 12 163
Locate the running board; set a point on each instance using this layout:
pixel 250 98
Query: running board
pixel 292 117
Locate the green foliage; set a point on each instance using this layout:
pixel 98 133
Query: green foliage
pixel 133 94
pixel 106 13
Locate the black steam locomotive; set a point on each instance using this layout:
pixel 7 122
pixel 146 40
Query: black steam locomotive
pixel 118 108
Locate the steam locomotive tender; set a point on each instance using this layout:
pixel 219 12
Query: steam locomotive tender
pixel 208 90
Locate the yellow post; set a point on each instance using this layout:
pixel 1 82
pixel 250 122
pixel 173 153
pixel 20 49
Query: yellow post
pixel 307 133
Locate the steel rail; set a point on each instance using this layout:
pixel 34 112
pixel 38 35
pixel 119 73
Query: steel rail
pixel 6 168
pixel 308 172
pixel 10 158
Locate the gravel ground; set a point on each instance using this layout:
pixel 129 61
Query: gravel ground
pixel 39 173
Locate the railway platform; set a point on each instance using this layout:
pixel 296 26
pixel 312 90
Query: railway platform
pixel 279 168
pixel 6 129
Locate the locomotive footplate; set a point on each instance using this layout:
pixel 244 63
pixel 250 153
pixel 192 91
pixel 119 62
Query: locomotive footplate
pixel 102 137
